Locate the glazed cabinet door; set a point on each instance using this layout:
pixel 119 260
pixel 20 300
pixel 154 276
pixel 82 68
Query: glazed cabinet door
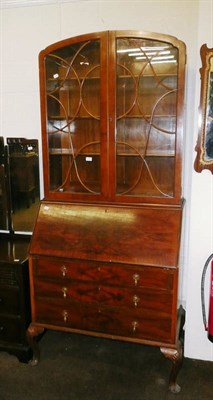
pixel 112 105
pixel 74 126
pixel 148 80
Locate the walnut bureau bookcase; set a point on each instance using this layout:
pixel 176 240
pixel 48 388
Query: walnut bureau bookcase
pixel 104 255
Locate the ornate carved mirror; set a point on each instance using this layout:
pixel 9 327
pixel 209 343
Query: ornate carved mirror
pixel 204 147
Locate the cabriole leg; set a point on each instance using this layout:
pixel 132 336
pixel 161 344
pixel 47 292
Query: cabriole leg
pixel 176 357
pixel 33 332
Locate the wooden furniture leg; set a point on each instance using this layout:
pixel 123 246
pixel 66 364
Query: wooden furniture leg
pixel 33 332
pixel 176 357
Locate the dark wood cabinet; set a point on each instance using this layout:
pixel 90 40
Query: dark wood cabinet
pixel 104 256
pixel 24 171
pixel 3 199
pixel 15 314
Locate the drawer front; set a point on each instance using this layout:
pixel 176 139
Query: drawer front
pixel 110 320
pixel 11 330
pixel 107 273
pixel 8 276
pixel 91 293
pixel 9 301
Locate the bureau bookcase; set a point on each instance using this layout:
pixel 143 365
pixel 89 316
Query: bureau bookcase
pixel 104 255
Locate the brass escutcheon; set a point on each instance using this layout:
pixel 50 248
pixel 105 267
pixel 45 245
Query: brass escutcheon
pixel 64 270
pixel 134 325
pixel 136 300
pixel 136 278
pixel 64 291
pixel 65 315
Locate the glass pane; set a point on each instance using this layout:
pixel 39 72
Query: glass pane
pixel 19 184
pixel 73 126
pixel 24 182
pixel 146 117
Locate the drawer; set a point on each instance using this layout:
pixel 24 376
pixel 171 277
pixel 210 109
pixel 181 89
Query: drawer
pixel 11 329
pixel 149 326
pixel 107 273
pixel 9 301
pixel 92 293
pixel 8 276
pixel 142 325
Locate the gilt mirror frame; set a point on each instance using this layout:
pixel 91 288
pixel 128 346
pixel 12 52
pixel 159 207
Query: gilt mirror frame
pixel 204 146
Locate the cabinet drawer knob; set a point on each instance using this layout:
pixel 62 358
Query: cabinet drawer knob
pixel 1 329
pixel 64 270
pixel 136 278
pixel 134 325
pixel 136 300
pixel 65 316
pixel 64 291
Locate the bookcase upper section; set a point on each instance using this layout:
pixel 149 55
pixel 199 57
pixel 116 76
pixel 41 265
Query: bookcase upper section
pixel 112 117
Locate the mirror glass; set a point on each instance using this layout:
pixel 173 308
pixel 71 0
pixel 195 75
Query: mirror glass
pixel 204 147
pixel 3 189
pixel 19 185
pixel 208 137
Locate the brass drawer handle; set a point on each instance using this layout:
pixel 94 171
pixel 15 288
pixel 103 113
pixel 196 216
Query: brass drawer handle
pixel 136 278
pixel 134 325
pixel 135 300
pixel 64 270
pixel 64 291
pixel 65 316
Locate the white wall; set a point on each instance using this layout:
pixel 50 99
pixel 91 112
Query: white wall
pixel 27 30
pixel 200 240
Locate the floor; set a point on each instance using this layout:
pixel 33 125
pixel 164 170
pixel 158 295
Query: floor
pixel 77 367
